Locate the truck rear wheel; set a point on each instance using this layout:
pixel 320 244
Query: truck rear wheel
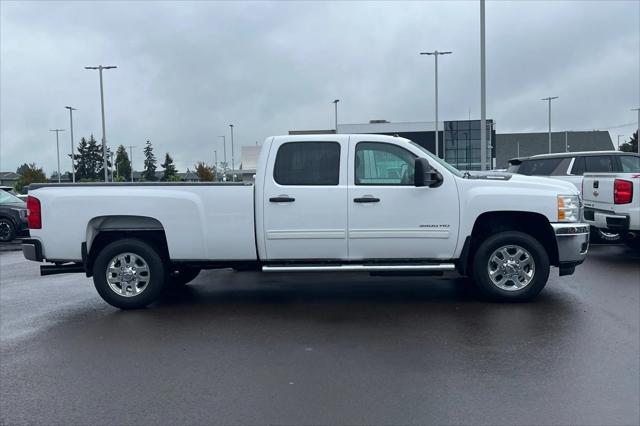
pixel 129 274
pixel 511 266
pixel 7 230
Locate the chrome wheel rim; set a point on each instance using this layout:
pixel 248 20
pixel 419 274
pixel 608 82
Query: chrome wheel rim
pixel 5 231
pixel 511 267
pixel 128 274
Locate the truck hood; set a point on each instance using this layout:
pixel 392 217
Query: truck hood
pixel 562 187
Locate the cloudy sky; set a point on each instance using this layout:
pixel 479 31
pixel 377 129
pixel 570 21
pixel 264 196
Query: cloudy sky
pixel 187 70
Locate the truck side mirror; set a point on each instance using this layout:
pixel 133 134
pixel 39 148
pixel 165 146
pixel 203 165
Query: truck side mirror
pixel 425 175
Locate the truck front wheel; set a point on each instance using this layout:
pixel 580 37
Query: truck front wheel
pixel 511 266
pixel 129 274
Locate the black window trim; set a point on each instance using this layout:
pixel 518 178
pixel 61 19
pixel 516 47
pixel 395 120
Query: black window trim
pixel 275 160
pixel 355 152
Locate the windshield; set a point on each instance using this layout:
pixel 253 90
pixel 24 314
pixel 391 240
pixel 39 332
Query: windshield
pixel 438 160
pixel 5 197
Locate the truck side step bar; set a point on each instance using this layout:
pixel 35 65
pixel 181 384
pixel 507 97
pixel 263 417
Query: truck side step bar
pixel 361 268
pixel 61 269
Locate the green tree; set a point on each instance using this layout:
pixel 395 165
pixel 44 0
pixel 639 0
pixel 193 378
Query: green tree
pixel 29 173
pixel 169 168
pixel 631 145
pixel 123 164
pixel 88 160
pixel 204 172
pixel 149 172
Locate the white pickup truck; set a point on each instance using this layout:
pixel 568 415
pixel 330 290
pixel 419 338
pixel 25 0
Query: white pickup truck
pixel 612 202
pixel 372 203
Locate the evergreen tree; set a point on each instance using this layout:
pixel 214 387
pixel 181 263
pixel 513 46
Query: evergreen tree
pixel 631 145
pixel 123 164
pixel 170 170
pixel 81 160
pixel 149 172
pixel 88 161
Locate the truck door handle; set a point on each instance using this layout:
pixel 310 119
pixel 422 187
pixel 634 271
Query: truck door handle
pixel 282 199
pixel 367 199
pixel 596 184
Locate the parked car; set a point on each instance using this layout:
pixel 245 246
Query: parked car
pixel 570 167
pixel 612 200
pixel 319 203
pixel 13 216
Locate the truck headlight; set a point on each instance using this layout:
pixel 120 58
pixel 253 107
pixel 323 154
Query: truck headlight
pixel 568 208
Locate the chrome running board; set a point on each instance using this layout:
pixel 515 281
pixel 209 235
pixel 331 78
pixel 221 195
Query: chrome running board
pixel 360 268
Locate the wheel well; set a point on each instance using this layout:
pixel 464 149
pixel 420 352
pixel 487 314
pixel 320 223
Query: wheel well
pixel 533 224
pixel 104 230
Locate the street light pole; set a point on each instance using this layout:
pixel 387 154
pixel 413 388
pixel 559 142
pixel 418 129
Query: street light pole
pixel 483 93
pixel 58 149
pixel 224 147
pixel 638 128
pixel 232 156
pixel 131 160
pixel 73 167
pixel 436 53
pixel 549 99
pixel 104 134
pixel 335 103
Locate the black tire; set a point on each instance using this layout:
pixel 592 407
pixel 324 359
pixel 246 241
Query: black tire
pixel 151 290
pixel 7 230
pixel 604 236
pixel 633 243
pixel 179 276
pixel 481 265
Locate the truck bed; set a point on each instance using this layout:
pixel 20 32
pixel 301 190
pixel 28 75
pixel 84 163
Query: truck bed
pixel 202 221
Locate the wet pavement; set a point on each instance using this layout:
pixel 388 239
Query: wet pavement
pixel 245 348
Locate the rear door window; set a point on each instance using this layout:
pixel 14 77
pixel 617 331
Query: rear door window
pixel 308 163
pixel 630 164
pixel 539 167
pixel 598 164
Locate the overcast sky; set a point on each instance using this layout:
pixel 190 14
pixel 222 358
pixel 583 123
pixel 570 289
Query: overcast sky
pixel 188 70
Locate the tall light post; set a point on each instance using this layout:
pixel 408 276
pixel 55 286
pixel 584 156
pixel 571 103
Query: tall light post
pixel 435 54
pixel 233 167
pixel 549 99
pixel 58 148
pixel 638 128
pixel 483 93
pixel 224 149
pixel 215 157
pixel 131 160
pixel 335 104
pixel 104 134
pixel 112 165
pixel 73 166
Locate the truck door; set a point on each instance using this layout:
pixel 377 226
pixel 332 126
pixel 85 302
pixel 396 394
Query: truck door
pixel 305 199
pixel 389 217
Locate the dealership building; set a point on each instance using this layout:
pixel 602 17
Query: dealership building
pixel 459 141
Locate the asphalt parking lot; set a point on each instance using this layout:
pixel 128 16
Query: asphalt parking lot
pixel 245 348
